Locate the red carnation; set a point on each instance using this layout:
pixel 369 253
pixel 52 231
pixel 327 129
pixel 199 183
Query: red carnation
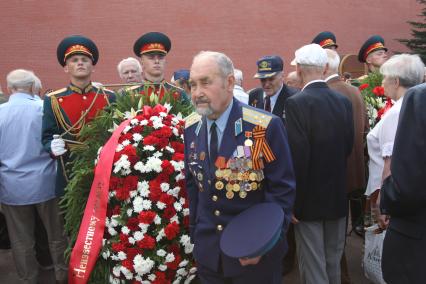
pixel 379 91
pixel 384 109
pixel 122 193
pixel 363 87
pixel 124 239
pixel 178 157
pixel 132 252
pixel 169 212
pixel 132 224
pixel 160 278
pixel 155 190
pixel 151 140
pixel 177 146
pixel 127 264
pixel 171 230
pixel 137 129
pixel 147 242
pixel 167 199
pixel 131 182
pixel 127 136
pixel 186 222
pixel 167 167
pixel 147 217
pixel 116 247
pixel 131 153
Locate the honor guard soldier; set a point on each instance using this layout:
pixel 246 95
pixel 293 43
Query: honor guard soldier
pixel 373 53
pixel 236 157
pixel 152 49
pixel 326 40
pixel 67 110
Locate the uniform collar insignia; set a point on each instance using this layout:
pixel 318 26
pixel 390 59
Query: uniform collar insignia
pixel 238 126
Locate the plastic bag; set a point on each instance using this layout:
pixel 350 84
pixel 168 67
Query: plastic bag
pixel 372 261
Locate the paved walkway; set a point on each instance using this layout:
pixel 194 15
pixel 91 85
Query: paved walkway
pixel 353 253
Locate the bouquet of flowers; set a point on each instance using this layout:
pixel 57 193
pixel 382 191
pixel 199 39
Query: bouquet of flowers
pixel 146 237
pixel 148 216
pixel 374 97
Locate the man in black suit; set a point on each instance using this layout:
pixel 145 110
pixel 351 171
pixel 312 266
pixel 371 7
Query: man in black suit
pixel 320 132
pixel 273 93
pixel 403 195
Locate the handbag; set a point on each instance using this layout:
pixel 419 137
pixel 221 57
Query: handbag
pixel 372 261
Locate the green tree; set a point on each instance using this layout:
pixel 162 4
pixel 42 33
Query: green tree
pixel 417 44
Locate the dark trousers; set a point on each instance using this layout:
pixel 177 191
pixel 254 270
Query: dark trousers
pixel 21 225
pixel 253 275
pixel 403 258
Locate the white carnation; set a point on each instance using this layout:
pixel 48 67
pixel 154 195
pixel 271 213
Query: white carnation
pixel 161 205
pixel 127 273
pixel 137 137
pixel 161 252
pixel 121 255
pixel 164 187
pixel 126 142
pixel 119 148
pixel 183 263
pixel 160 235
pixel 138 235
pixel 185 211
pixel 175 131
pixel 138 204
pixel 157 220
pixel 152 277
pixel 178 206
pixel 126 129
pixel 162 267
pixel 116 270
pixel 132 240
pixel 154 164
pixel 143 122
pixel 149 148
pixel 142 265
pixel 170 149
pixel 170 257
pixel 129 212
pixel 125 230
pixel 134 121
pixel 146 204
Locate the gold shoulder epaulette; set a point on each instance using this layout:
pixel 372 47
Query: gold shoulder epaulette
pixel 192 119
pixel 256 117
pixel 56 92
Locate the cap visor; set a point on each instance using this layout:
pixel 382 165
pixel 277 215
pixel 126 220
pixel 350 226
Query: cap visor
pixel 264 75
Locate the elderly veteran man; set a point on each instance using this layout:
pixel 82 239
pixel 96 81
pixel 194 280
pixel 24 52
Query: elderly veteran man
pixel 326 40
pixel 236 157
pixel 320 130
pixel 27 180
pixel 373 53
pixel 67 110
pixel 152 48
pixel 130 70
pixel 273 93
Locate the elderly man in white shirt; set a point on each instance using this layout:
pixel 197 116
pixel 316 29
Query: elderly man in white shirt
pixel 27 180
pixel 239 92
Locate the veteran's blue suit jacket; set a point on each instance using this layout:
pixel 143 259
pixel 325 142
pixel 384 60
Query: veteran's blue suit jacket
pixel 278 187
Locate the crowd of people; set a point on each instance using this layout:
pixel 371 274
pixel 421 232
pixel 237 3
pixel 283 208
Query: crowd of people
pixel 295 143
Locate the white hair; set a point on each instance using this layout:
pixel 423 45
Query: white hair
pixel 226 67
pixel 408 68
pixel 37 85
pixel 20 79
pixel 238 74
pixel 333 60
pixel 129 60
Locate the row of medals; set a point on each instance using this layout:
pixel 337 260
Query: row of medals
pixel 239 176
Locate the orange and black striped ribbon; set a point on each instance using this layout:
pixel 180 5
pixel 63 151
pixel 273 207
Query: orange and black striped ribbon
pixel 261 146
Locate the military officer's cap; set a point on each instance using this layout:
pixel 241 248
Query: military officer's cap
pixel 153 42
pixel 372 44
pixel 77 44
pixel 325 39
pixel 268 66
pixel 253 232
pixel 181 74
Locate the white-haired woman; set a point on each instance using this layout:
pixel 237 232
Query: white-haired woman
pixel 400 73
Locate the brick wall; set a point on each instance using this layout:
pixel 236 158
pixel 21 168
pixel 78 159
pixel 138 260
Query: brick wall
pixel 244 30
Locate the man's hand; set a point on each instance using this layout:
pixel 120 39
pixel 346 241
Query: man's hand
pixel 57 146
pixel 250 261
pixel 294 220
pixel 383 221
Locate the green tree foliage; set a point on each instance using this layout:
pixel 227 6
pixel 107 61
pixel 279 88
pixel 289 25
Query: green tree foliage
pixel 417 44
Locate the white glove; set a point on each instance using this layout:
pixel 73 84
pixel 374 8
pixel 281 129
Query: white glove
pixel 57 146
